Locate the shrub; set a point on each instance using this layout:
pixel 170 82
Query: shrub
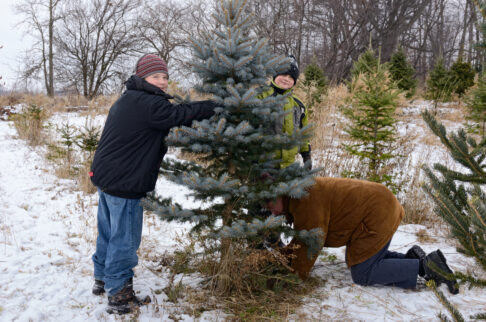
pixel 30 124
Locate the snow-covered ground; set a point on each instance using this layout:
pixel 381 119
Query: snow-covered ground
pixel 48 232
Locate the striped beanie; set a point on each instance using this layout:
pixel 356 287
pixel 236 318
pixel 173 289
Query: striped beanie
pixel 150 64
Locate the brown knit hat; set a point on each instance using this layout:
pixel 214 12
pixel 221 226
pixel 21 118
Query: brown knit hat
pixel 150 64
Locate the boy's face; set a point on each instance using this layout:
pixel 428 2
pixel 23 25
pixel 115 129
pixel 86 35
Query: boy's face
pixel 284 81
pixel 160 80
pixel 275 206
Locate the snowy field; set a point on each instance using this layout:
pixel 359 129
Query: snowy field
pixel 48 233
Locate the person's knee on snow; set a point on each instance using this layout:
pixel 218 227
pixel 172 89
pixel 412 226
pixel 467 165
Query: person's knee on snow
pixel 363 216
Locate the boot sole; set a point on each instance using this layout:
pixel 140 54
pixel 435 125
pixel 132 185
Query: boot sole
pixel 122 310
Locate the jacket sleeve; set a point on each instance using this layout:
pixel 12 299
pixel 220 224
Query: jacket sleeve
pixel 165 116
pixel 307 216
pixel 305 147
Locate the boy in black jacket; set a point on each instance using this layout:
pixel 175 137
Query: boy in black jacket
pixel 125 168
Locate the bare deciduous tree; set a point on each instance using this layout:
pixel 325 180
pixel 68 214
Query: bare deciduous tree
pixel 96 41
pixel 93 39
pixel 40 17
pixel 163 28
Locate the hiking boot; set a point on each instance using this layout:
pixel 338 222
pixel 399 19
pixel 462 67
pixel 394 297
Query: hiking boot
pixel 125 300
pixel 98 287
pixel 416 252
pixel 438 259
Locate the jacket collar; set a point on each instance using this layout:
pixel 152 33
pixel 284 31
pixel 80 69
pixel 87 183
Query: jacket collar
pixel 280 90
pixel 140 84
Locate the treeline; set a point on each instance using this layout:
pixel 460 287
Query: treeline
pixel 90 47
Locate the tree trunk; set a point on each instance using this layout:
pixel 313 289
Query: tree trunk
pixel 464 31
pixel 224 272
pixel 50 82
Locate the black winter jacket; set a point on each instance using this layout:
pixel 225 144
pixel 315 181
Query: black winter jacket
pixel 132 147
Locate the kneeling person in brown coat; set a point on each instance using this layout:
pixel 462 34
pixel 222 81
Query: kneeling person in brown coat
pixel 363 216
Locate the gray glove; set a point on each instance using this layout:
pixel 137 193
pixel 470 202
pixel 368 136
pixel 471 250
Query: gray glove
pixel 306 156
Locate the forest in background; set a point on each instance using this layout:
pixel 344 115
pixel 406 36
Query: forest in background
pixel 90 47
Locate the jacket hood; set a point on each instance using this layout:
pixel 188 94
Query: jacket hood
pixel 140 84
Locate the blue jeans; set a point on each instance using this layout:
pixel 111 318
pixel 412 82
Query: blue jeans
pixel 119 234
pixel 387 268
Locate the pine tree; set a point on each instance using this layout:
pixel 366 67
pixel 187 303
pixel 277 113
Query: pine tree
pixel 314 85
pixel 439 84
pixel 236 145
pixel 462 76
pixel 371 112
pixel 402 73
pixel 476 105
pixel 367 63
pixel 458 196
pixel 314 74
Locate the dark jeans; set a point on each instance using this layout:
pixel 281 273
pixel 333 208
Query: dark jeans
pixel 119 235
pixel 387 268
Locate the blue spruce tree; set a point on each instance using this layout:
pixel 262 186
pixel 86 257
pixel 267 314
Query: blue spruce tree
pixel 237 144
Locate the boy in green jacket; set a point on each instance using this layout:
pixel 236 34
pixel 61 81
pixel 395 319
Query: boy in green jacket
pixel 283 84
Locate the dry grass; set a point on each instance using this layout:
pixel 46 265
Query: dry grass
pixel 254 290
pixel 423 236
pixel 30 124
pixel 83 179
pixel 11 99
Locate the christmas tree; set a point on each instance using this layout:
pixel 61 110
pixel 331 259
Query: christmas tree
pixel 372 128
pixel 314 85
pixel 462 75
pixel 236 146
pixel 460 200
pixel 439 84
pixel 476 105
pixel 367 63
pixel 402 73
pixel 314 74
pixel 458 196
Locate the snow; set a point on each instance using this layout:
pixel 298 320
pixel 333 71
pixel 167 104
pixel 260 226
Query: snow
pixel 48 233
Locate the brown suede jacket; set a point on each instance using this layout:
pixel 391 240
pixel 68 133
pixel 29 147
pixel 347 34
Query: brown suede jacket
pixel 361 215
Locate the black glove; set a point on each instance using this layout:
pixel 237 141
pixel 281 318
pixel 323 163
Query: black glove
pixel 306 156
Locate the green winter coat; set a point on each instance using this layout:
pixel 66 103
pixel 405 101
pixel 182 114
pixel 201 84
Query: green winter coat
pixel 297 117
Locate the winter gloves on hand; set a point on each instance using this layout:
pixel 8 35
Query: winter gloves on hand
pixel 306 157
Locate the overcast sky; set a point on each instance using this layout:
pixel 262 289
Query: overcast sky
pixel 12 40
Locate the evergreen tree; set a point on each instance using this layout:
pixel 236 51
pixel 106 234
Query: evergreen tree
pixel 462 76
pixel 236 144
pixel 371 112
pixel 402 73
pixel 439 84
pixel 314 74
pixel 476 104
pixel 314 85
pixel 458 196
pixel 367 63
